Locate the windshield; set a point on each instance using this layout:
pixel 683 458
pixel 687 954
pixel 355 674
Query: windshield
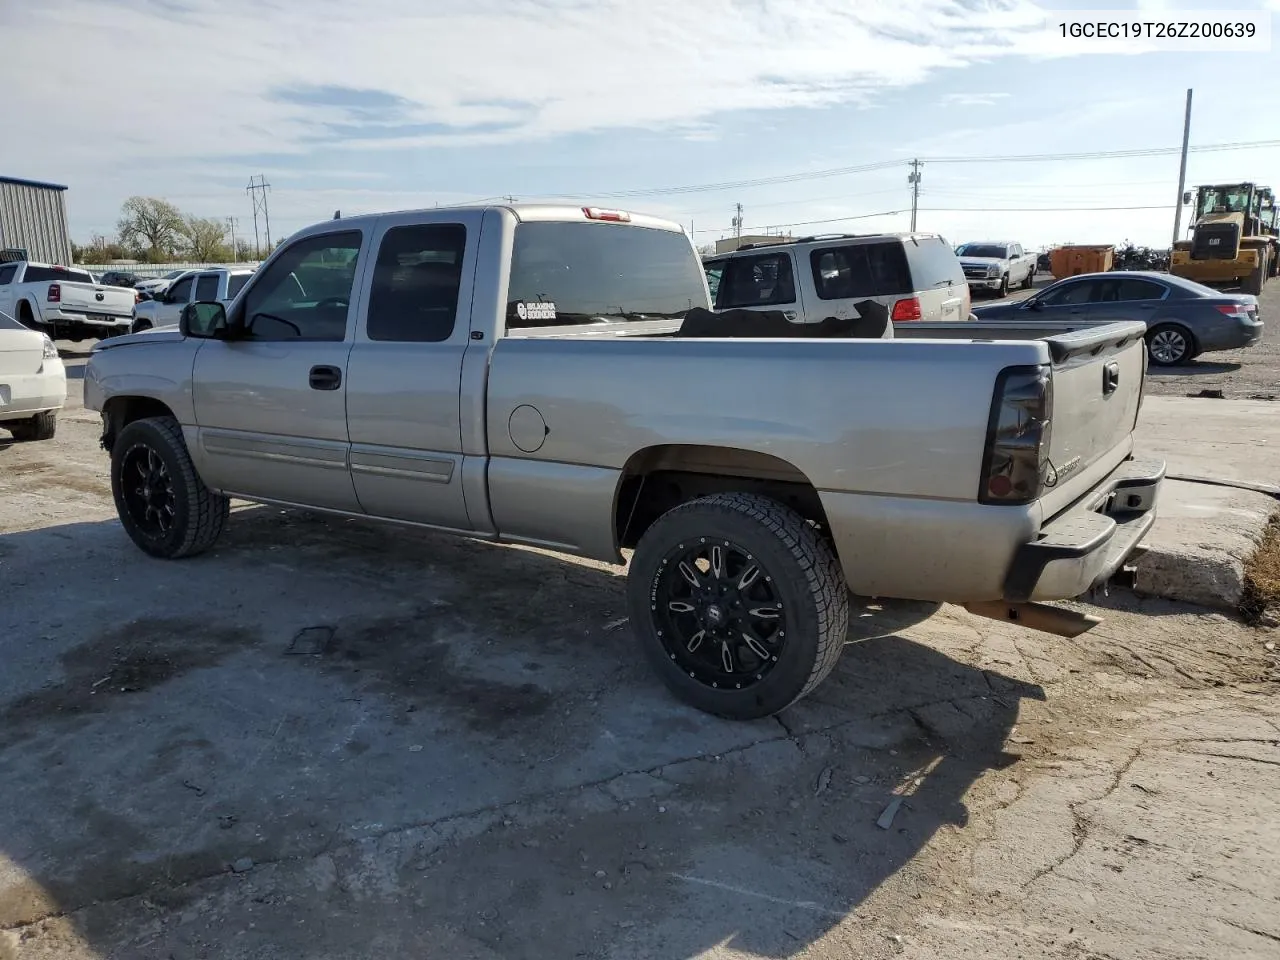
pixel 993 250
pixel 1220 200
pixel 573 273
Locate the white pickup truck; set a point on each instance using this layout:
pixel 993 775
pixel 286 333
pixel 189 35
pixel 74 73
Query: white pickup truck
pixel 64 303
pixel 996 265
pixel 195 286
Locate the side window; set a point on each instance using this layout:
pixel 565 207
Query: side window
pixel 235 283
pixel 1078 292
pixel 1015 251
pixel 860 270
pixel 306 291
pixel 415 283
pixel 207 287
pixel 714 271
pixel 1133 288
pixel 765 280
pixel 180 292
pixel 7 274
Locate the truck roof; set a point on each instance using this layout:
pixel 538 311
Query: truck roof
pixel 524 212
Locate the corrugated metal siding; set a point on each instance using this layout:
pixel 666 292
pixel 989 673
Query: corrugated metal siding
pixel 35 218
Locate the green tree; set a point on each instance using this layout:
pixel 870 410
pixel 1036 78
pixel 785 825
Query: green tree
pixel 152 225
pixel 205 240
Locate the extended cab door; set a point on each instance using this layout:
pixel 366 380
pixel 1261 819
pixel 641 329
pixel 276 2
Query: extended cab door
pixel 403 395
pixel 270 408
pixel 169 310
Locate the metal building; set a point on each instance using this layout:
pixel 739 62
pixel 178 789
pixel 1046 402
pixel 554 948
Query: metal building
pixel 33 217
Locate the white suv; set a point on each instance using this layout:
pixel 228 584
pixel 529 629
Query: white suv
pixel 915 276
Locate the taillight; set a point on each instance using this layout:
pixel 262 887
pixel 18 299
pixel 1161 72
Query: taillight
pixel 908 309
pixel 55 293
pixel 1015 467
pixel 1238 310
pixel 137 297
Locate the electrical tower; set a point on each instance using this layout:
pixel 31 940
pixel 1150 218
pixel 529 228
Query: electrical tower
pixel 913 178
pixel 257 191
pixel 231 228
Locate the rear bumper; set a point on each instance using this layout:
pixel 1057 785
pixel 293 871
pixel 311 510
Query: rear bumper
pixel 1231 336
pixel 24 396
pixel 68 318
pixel 1085 546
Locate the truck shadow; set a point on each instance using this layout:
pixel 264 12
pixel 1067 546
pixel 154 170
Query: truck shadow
pixel 413 738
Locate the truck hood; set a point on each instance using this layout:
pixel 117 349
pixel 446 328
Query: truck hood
pixel 981 261
pixel 164 334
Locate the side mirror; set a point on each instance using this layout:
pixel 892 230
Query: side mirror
pixel 1033 304
pixel 204 321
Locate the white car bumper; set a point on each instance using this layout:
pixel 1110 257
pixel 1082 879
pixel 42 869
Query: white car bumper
pixel 25 396
pixel 983 283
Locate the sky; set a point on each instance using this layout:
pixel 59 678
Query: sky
pixel 673 107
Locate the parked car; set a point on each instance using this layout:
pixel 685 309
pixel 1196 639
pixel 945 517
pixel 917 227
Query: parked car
pixel 156 285
pixel 33 383
pixel 64 302
pixel 116 278
pixel 915 277
pixel 1184 319
pixel 995 266
pixel 195 285
pixel 467 370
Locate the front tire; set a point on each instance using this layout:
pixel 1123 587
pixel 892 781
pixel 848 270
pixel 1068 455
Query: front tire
pixel 42 426
pixel 163 504
pixel 1169 345
pixel 738 603
pixel 1030 280
pixel 1004 286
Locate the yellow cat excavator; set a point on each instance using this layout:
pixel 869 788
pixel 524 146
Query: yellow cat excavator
pixel 1229 243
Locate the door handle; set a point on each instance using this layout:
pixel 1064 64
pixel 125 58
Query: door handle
pixel 1110 378
pixel 325 377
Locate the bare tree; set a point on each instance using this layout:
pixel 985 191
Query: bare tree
pixel 151 224
pixel 205 238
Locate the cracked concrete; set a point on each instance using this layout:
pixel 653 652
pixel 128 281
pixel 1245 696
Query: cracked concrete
pixel 475 764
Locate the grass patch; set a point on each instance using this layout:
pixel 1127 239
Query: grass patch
pixel 1262 574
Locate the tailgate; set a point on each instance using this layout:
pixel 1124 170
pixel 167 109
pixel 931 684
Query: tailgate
pixel 21 353
pixel 86 298
pixel 1097 388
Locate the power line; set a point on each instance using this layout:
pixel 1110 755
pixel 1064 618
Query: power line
pixel 885 164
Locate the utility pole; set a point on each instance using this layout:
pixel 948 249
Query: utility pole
pixel 509 198
pixel 913 178
pixel 257 191
pixel 231 228
pixel 1182 170
pixel 737 222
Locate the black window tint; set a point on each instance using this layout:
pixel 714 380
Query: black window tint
pixel 1132 288
pixel 6 273
pixel 416 282
pixel 235 283
pixel 759 281
pixel 305 292
pixel 1078 291
pixel 860 270
pixel 180 292
pixel 78 276
pixel 207 288
pixel 43 275
pixel 933 263
pixel 570 273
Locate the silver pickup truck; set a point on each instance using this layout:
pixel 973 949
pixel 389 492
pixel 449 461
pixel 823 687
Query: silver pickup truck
pixel 552 375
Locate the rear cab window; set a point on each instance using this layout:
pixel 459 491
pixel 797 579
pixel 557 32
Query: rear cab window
pixel 51 275
pixel 235 283
pixel 569 273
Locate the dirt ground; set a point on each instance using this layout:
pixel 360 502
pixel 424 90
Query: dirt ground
pixel 327 739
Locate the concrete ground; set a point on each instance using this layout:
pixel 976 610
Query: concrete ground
pixel 326 739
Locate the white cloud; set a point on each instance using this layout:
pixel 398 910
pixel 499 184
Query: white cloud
pixel 973 99
pixel 217 78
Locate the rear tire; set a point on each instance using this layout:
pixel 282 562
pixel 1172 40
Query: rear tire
pixel 42 426
pixel 163 504
pixel 1258 278
pixel 739 652
pixel 1169 345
